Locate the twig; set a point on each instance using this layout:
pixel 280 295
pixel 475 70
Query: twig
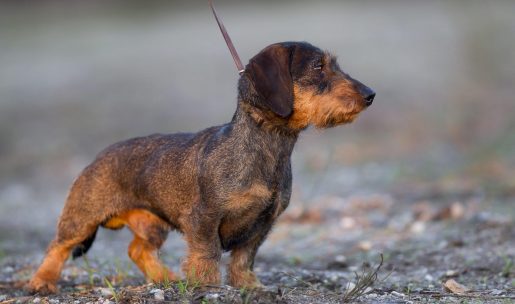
pixel 363 282
pixel 452 295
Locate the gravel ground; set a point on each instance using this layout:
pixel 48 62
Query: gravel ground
pixel 318 253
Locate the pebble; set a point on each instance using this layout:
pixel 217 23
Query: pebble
pixel 451 273
pixel 106 292
pixel 418 227
pixel 4 297
pixel 496 292
pixel 8 269
pixel 53 301
pixel 159 294
pixel 364 245
pixel 340 258
pixel 212 296
pixel 340 261
pixel 428 277
pixel 333 277
pixel 347 222
pixel 349 286
pixel 397 294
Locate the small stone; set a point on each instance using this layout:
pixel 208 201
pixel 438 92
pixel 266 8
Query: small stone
pixel 350 286
pixel 397 294
pixel 365 245
pixel 455 287
pixel 159 295
pixel 105 292
pixel 212 296
pixel 418 227
pixel 372 295
pixel 8 269
pixel 347 222
pixel 454 212
pixel 340 258
pixel 53 301
pixel 428 277
pixel 451 273
pixel 340 261
pixel 496 292
pixel 4 297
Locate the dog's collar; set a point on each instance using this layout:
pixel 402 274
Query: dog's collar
pixel 230 45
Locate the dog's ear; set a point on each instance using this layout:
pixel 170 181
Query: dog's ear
pixel 270 74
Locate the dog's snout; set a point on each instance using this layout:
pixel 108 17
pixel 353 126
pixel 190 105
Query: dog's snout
pixel 369 98
pixel 367 93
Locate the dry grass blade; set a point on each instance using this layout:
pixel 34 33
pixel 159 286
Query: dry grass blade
pixel 363 281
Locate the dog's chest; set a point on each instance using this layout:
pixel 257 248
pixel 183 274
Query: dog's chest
pixel 250 213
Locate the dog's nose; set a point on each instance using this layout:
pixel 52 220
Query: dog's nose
pixel 369 98
pixel 367 93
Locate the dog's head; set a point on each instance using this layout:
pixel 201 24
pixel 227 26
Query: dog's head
pixel 301 85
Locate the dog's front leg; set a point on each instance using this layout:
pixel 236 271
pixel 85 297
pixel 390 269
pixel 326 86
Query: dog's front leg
pixel 204 250
pixel 240 271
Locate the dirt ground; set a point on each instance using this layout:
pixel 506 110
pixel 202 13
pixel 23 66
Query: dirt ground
pixel 412 203
pixel 319 251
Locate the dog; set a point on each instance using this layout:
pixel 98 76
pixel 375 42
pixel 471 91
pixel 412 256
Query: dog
pixel 222 187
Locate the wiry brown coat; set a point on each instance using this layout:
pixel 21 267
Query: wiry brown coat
pixel 222 187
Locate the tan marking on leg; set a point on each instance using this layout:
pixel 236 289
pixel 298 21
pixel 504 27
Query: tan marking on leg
pixel 239 271
pixel 149 234
pixel 145 257
pixel 200 270
pixel 115 223
pixel 45 279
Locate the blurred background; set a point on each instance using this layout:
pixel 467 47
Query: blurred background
pixel 76 76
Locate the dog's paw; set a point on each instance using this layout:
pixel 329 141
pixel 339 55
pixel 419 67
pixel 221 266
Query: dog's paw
pixel 202 271
pixel 246 280
pixel 41 287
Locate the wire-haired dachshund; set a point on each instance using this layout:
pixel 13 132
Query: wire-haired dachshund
pixel 222 187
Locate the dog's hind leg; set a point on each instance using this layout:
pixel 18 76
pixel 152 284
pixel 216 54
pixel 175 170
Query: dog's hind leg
pixel 150 233
pixel 71 232
pixel 88 205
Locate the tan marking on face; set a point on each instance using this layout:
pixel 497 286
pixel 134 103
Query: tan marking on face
pixel 340 105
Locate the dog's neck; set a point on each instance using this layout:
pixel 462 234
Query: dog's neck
pixel 259 127
pixel 263 119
